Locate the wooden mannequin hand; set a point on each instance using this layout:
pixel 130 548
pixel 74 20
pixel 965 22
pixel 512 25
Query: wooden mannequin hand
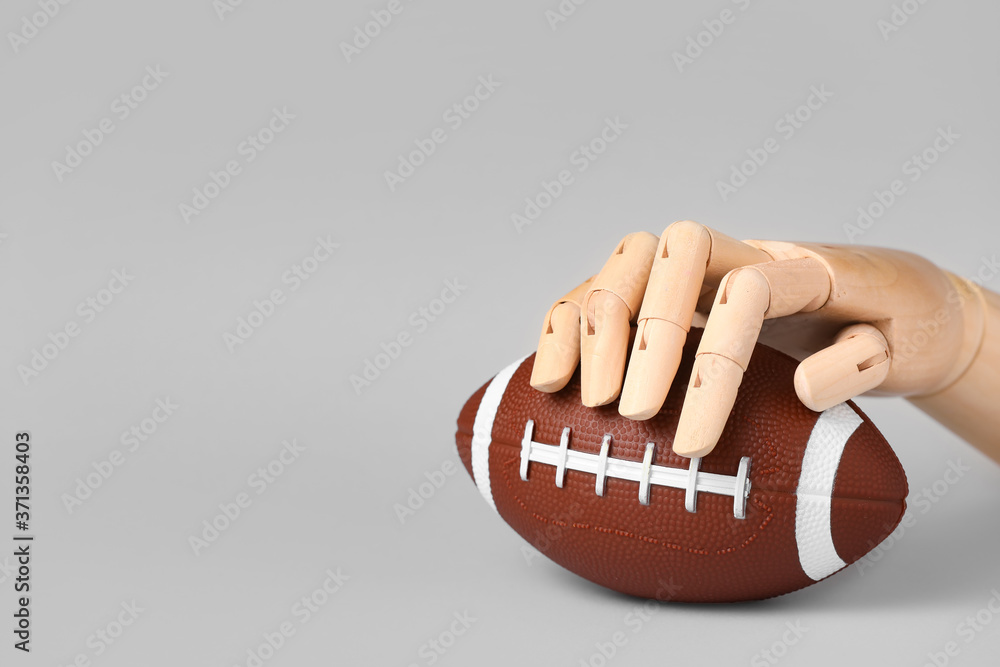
pixel 862 320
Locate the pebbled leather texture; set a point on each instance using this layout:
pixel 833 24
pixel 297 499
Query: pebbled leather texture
pixel 661 550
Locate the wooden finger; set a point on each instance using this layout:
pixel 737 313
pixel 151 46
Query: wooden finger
pixel 858 362
pixel 559 345
pixel 746 298
pixel 688 256
pixel 608 307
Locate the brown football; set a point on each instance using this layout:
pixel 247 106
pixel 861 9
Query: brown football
pixel 787 498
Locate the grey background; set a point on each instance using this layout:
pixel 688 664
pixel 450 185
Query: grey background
pixel 324 175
